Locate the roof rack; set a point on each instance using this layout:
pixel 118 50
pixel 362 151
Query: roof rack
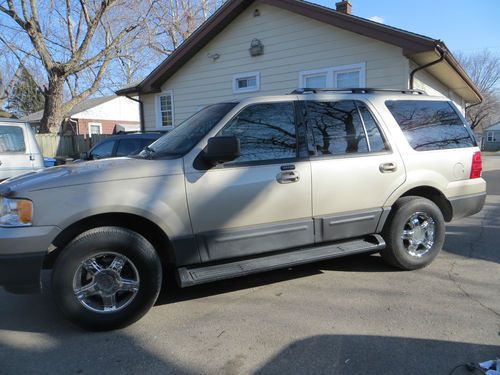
pixel 357 90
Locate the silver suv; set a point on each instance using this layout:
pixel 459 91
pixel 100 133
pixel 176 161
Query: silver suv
pixel 243 187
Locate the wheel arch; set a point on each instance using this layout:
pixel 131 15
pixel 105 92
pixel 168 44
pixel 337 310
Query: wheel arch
pixel 434 195
pixel 145 227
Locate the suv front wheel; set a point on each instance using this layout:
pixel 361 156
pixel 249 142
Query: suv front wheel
pixel 107 278
pixel 414 233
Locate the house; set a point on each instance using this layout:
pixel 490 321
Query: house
pixel 103 115
pixel 265 47
pixel 491 138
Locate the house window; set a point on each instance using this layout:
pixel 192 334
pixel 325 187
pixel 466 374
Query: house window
pixel 246 82
pixel 165 110
pixel 95 128
pixel 345 76
pixel 490 137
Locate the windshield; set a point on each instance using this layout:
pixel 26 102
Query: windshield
pixel 185 136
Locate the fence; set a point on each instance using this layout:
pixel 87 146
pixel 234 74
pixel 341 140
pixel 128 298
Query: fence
pixel 53 145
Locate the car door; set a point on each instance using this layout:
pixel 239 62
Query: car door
pixel 262 200
pixel 354 169
pixel 15 157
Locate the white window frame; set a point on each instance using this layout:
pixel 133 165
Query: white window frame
pixel 159 124
pixel 332 72
pixel 490 136
pixel 94 124
pixel 236 77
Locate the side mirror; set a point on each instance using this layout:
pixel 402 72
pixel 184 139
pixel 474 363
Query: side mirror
pixel 222 149
pixel 84 155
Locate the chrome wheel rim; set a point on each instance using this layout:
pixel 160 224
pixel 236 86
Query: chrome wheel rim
pixel 106 282
pixel 418 234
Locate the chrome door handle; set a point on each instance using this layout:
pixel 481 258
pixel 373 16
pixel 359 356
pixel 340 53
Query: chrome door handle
pixel 388 167
pixel 288 177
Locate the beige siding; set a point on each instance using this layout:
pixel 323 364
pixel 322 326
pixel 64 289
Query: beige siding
pixel 292 43
pixel 432 86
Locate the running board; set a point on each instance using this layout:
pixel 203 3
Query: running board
pixel 200 274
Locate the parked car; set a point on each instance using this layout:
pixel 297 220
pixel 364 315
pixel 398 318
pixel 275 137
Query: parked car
pixel 244 187
pixel 19 152
pixel 120 145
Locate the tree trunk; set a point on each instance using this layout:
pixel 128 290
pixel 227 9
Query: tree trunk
pixel 53 110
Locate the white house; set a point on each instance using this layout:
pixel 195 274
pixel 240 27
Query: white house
pixel 260 47
pixel 102 115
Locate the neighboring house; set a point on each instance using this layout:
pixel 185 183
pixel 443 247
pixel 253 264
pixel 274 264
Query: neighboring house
pixel 104 115
pixel 491 138
pixel 266 47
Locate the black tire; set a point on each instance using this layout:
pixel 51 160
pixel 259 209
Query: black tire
pixel 141 264
pixel 398 251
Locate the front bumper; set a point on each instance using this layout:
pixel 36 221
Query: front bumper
pixel 467 205
pixel 20 273
pixel 22 252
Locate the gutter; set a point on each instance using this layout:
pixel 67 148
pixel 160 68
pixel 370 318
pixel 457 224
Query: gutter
pixel 442 55
pixel 141 112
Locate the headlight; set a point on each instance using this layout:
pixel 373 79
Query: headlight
pixel 15 212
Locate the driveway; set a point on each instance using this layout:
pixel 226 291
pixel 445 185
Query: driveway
pixel 347 316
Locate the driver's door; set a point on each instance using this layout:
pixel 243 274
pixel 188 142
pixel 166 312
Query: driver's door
pixel 261 201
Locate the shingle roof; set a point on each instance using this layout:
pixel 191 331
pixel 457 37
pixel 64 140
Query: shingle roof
pixel 82 106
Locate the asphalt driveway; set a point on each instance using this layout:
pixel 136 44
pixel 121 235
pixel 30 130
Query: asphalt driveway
pixel 346 316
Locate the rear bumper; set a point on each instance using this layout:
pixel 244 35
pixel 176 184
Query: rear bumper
pixel 22 252
pixel 467 205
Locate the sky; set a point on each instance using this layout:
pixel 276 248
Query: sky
pixel 464 25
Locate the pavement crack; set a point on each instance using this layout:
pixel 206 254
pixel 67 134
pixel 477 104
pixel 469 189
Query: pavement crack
pixel 467 294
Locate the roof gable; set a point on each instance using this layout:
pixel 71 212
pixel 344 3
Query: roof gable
pixel 410 43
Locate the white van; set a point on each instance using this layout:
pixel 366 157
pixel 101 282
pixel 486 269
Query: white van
pixel 19 152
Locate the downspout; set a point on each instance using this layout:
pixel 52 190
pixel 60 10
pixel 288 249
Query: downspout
pixel 141 112
pixel 441 58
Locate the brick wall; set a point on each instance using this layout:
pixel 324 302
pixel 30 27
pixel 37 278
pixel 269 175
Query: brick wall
pixel 107 125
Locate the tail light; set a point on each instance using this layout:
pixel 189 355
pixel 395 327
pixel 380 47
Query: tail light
pixel 477 165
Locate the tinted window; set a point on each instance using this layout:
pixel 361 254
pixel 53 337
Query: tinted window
pixel 128 146
pixel 11 139
pixel 266 132
pixel 375 139
pixel 185 136
pixel 336 127
pixel 430 125
pixel 104 150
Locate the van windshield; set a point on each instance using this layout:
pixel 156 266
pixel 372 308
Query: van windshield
pixel 185 136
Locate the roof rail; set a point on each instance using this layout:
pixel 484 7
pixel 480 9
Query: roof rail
pixel 357 90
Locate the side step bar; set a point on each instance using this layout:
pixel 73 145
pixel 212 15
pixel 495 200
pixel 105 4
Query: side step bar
pixel 200 274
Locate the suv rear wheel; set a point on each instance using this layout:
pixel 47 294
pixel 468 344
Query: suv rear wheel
pixel 414 233
pixel 107 278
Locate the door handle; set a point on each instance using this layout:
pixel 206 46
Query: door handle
pixel 288 177
pixel 388 167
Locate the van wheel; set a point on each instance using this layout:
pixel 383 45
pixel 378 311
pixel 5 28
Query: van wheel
pixel 414 233
pixel 107 278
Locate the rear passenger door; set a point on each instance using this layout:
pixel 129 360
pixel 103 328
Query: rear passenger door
pixel 354 170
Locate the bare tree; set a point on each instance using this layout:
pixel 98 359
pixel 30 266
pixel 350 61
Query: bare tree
pixel 484 69
pixel 74 40
pixel 172 21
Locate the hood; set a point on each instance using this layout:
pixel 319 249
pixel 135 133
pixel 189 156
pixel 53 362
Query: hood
pixel 89 172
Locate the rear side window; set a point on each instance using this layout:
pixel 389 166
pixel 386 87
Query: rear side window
pixel 11 139
pixel 430 125
pixel 342 127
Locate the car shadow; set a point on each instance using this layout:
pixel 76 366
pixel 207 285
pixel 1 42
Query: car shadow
pixel 351 354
